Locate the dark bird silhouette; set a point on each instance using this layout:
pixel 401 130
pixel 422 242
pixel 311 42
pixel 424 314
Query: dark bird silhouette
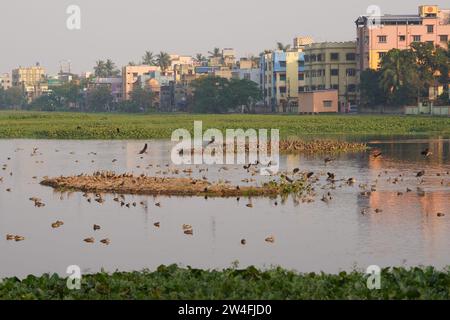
pixel 144 150
pixel 118 130
pixel 426 152
pixel 213 139
pixel 330 176
pixel 296 170
pixel 328 160
pixel 309 175
pixel 287 179
pixel 376 154
pixel 420 173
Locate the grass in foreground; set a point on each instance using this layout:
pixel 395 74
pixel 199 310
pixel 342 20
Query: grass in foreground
pixel 172 282
pixel 44 125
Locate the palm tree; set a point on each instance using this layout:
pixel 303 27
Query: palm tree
pixel 200 58
pixel 215 53
pixel 99 69
pixel 398 72
pixel 149 59
pixel 282 47
pixel 110 68
pixel 163 61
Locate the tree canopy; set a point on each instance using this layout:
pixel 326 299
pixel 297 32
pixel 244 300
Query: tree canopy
pixel 219 95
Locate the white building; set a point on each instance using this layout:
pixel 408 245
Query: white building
pixel 5 81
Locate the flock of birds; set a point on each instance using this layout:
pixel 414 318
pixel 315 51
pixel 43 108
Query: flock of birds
pixel 314 179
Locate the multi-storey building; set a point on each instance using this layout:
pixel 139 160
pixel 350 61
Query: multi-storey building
pixel 377 35
pixel 281 78
pixel 131 77
pixel 32 80
pixel 5 81
pixel 113 83
pixel 332 65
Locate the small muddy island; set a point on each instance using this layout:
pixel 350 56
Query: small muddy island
pixel 110 182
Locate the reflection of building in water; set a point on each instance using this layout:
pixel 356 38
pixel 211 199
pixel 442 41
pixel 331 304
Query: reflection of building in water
pixel 292 161
pixel 398 209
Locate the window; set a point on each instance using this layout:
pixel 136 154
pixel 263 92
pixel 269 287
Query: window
pixel 443 38
pixel 335 86
pixel 306 58
pixel 334 72
pixel 351 72
pixel 351 56
pixel 301 76
pixel 351 88
pixel 282 64
pixel 431 42
pixel 430 28
pixel 417 38
pixel 382 39
pixel 327 103
pixel 301 89
pixel 282 77
pixel 282 89
pixel 334 56
pixel 402 38
pixel 319 57
pixel 321 87
pixel 306 74
pixel 381 55
pixel 313 88
pixel 301 63
pixel 313 58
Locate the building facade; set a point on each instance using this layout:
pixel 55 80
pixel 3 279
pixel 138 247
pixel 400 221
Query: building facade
pixel 281 78
pixel 320 101
pixel 332 65
pixel 131 77
pixel 113 83
pixel 32 80
pixel 377 35
pixel 5 81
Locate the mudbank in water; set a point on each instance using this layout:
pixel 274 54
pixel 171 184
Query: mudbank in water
pixel 109 182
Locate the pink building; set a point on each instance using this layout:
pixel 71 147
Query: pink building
pixel 377 35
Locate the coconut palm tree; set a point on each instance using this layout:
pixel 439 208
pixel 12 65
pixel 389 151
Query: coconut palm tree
pixel 149 59
pixel 215 53
pixel 163 61
pixel 399 75
pixel 99 68
pixel 282 47
pixel 200 58
pixel 110 68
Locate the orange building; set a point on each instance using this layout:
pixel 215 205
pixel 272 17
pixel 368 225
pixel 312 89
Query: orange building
pixel 321 101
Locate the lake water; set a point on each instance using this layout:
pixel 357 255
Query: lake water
pixel 314 236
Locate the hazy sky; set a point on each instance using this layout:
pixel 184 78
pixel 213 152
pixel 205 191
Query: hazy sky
pixel 35 30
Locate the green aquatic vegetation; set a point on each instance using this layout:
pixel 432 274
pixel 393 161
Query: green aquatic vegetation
pixel 58 125
pixel 173 282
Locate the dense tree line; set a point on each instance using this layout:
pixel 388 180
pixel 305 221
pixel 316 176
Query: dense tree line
pixel 405 77
pixel 220 95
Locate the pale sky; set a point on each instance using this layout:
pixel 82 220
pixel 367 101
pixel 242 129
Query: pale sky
pixel 35 30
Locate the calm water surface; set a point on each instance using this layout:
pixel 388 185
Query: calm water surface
pixel 315 236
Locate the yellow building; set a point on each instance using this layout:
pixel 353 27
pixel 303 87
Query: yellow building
pixel 332 65
pixel 130 77
pixel 282 78
pixel 32 80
